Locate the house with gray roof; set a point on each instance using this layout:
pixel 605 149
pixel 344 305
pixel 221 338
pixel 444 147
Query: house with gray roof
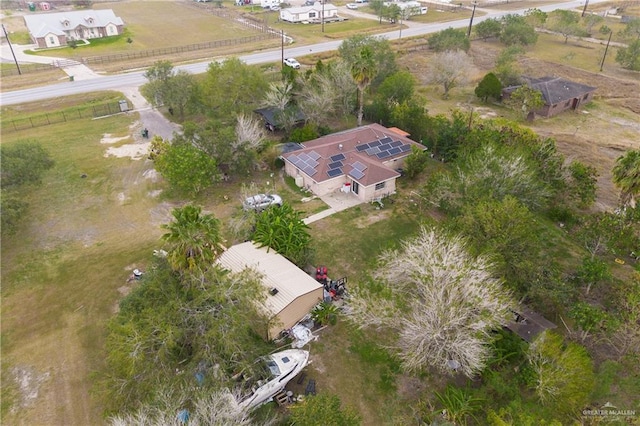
pixel 57 29
pixel 363 161
pixel 559 94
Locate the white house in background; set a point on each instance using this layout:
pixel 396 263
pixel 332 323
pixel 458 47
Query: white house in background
pixel 408 8
pixel 56 29
pixel 306 14
pixel 290 292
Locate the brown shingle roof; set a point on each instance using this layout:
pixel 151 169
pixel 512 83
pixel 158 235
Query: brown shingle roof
pixel 351 144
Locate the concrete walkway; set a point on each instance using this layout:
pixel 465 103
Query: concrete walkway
pixel 337 202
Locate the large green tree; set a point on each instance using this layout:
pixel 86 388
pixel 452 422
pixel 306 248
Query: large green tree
pixel 489 28
pixel 282 229
pixel 231 87
pixel 449 39
pixel 193 239
pixel 171 339
pixel 158 75
pixel 563 373
pixel 23 163
pixel 489 86
pixel 187 168
pixel 626 176
pixel 517 31
pixel 567 23
pixel 525 100
pixel 629 57
pixel 506 230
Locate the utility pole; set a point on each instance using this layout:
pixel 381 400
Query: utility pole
pixel 11 48
pixel 584 10
pixel 322 16
pixel 475 3
pixel 605 51
pixel 282 50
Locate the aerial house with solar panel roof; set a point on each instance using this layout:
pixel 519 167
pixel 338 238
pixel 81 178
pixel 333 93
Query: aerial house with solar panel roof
pixel 365 160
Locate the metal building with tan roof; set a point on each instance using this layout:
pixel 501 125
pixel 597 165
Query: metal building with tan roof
pixel 290 292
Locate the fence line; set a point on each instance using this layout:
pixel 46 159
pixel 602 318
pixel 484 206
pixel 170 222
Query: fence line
pixel 173 50
pixel 50 118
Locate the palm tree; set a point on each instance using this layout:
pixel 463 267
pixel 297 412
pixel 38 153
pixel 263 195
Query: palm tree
pixel 626 176
pixel 363 70
pixel 194 239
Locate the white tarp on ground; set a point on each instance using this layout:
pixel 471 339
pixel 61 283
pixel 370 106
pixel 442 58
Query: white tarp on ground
pixel 303 335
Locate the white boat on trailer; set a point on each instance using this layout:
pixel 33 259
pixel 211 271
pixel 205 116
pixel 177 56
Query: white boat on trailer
pixel 273 373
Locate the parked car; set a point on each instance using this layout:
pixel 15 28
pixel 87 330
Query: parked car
pixel 352 6
pixel 292 62
pixel 271 375
pixel 261 201
pixel 362 1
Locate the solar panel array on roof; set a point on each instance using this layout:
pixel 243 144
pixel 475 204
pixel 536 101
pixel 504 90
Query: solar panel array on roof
pixel 314 155
pixel 335 165
pixel 356 174
pixel 338 157
pixel 334 172
pixel 383 148
pixel 305 162
pixel 359 166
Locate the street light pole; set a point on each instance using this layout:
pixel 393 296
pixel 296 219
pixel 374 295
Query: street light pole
pixel 471 20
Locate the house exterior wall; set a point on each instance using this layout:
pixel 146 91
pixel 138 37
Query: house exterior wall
pixel 370 193
pixel 571 104
pixel 286 15
pixel 318 189
pixel 294 312
pixel 51 40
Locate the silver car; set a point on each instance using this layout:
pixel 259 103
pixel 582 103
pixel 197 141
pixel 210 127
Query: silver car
pixel 261 201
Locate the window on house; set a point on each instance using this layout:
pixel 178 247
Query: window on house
pixel 51 40
pixel 380 185
pixel 111 30
pixel 312 14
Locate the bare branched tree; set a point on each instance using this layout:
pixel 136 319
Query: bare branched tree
pixel 345 87
pixel 441 302
pixel 219 409
pixel 449 69
pixel 279 95
pixel 249 132
pixel 317 99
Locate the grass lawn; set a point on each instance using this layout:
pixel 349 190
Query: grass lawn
pixel 65 268
pixel 312 33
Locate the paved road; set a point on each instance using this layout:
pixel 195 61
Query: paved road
pixel 135 79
